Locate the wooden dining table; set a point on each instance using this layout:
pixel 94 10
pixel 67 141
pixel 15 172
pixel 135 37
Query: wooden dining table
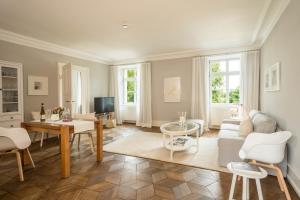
pixel 64 130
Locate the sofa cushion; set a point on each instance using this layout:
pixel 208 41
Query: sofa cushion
pixel 246 127
pixel 229 134
pixel 263 123
pixel 233 127
pixel 252 113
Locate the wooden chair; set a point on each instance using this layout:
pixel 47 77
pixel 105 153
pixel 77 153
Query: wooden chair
pixel 16 140
pixel 267 150
pixel 89 117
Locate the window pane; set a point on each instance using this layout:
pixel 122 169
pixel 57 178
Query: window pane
pixel 218 66
pixel 218 96
pixel 218 82
pixel 130 97
pixel 131 73
pixel 234 96
pixel 235 65
pixel 234 82
pixel 131 86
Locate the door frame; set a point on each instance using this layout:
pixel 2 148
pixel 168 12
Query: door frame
pixel 82 69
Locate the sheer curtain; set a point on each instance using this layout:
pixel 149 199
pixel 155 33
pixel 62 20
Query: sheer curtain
pixel 114 91
pixel 200 90
pixel 143 106
pixel 250 80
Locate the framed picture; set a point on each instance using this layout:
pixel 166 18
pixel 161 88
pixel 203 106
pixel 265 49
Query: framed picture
pixel 37 85
pixel 272 78
pixel 172 89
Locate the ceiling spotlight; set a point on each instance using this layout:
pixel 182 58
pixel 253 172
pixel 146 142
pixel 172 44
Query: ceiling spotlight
pixel 125 26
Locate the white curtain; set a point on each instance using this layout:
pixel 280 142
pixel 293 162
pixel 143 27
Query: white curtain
pixel 250 81
pixel 114 91
pixel 200 90
pixel 143 107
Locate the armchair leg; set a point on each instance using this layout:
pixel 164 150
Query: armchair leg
pixel 279 175
pixel 286 191
pixel 30 158
pixel 20 168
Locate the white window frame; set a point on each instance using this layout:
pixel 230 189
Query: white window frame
pixel 227 73
pixel 124 83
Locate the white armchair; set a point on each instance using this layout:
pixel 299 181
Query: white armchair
pixel 267 150
pixel 14 140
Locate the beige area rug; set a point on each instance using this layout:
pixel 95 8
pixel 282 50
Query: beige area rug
pixel 149 145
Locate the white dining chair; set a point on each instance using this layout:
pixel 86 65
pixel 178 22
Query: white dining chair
pixel 15 140
pixel 88 117
pixel 267 150
pixel 36 117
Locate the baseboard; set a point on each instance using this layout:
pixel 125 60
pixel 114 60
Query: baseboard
pixel 158 123
pixel 294 179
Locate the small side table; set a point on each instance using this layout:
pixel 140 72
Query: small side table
pixel 175 131
pixel 247 171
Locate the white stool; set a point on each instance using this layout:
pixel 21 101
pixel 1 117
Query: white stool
pixel 247 171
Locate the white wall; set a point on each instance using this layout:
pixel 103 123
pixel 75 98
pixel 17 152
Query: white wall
pixel 283 45
pixel 128 112
pixel 42 63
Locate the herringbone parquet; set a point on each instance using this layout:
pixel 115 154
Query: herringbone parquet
pixel 117 177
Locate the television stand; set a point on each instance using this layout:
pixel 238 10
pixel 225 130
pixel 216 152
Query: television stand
pixel 108 119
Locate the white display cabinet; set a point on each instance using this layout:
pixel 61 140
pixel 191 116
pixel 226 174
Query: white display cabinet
pixel 11 94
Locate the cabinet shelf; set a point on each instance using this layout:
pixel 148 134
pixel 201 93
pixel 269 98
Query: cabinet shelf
pixel 12 77
pixel 10 102
pixel 8 90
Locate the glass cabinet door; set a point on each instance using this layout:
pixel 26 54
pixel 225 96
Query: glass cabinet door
pixel 10 99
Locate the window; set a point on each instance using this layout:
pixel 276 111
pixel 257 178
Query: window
pixel 225 80
pixel 129 85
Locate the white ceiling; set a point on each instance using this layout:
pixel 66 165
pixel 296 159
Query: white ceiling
pixel 155 26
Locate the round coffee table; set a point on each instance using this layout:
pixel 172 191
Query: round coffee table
pixel 178 136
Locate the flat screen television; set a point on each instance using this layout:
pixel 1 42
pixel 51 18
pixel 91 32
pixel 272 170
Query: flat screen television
pixel 104 104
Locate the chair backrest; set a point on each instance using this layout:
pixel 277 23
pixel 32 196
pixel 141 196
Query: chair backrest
pixel 267 148
pixel 35 115
pixel 18 136
pixel 88 116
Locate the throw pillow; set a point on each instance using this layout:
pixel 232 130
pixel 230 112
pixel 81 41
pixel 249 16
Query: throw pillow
pixel 246 127
pixel 263 123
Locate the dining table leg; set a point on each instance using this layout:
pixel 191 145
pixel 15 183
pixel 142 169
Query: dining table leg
pixel 99 150
pixel 65 151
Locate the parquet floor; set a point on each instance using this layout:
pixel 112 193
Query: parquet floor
pixel 117 177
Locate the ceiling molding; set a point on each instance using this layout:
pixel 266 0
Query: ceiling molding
pixel 186 54
pixel 272 16
pixel 19 39
pixel 261 20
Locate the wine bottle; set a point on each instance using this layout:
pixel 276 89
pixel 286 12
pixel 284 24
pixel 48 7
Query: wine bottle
pixel 42 113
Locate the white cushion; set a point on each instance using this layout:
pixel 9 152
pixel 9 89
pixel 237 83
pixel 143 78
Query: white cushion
pixel 246 127
pixel 233 127
pixel 228 134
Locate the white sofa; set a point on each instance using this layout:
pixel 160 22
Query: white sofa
pixel 230 141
